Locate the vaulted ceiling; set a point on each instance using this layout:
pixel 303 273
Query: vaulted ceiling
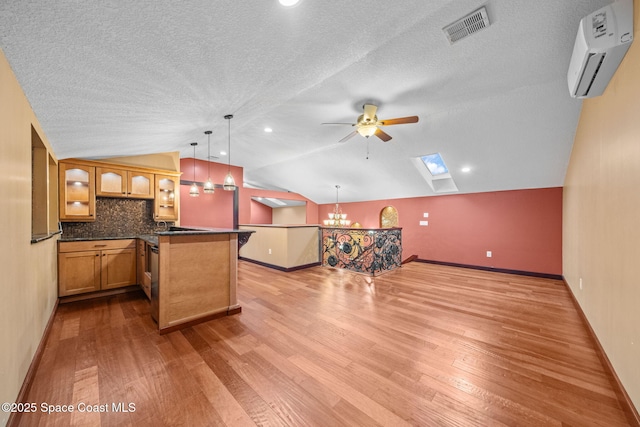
pixel 113 78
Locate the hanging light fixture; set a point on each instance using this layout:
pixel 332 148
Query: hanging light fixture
pixel 193 191
pixel 229 184
pixel 208 186
pixel 337 218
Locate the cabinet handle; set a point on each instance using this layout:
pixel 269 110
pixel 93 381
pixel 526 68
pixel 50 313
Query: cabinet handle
pixel 97 254
pixel 99 246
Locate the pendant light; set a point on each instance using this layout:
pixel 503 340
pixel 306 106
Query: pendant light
pixel 229 184
pixel 193 191
pixel 208 186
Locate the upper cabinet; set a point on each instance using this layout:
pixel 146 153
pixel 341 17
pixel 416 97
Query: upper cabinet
pixel 82 180
pixel 77 192
pixel 167 200
pixel 112 182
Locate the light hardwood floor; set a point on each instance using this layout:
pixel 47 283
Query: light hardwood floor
pixel 424 345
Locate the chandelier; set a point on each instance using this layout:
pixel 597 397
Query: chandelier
pixel 337 218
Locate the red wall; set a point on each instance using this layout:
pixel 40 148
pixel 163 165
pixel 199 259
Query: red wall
pixel 207 210
pixel 247 214
pixel 260 213
pixel 216 210
pixel 522 228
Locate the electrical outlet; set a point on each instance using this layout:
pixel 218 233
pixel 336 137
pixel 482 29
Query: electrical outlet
pixel 424 222
pixel 581 283
pixel 269 251
pixel 489 254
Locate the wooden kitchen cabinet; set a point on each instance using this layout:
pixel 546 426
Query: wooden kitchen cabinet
pixel 87 266
pixel 144 267
pixel 167 200
pixel 113 182
pixel 81 181
pixel 77 198
pixel 78 272
pixel 118 268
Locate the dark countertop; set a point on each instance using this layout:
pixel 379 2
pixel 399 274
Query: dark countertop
pixel 325 227
pixel 281 225
pixel 153 238
pixel 185 231
pixel 42 237
pixel 149 238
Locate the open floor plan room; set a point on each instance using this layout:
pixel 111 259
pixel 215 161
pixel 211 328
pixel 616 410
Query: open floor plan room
pixel 422 345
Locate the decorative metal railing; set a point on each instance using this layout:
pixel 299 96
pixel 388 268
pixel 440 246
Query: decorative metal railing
pixel 370 251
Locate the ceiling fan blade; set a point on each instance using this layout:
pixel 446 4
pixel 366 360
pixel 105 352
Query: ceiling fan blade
pixel 370 111
pixel 382 135
pixel 350 124
pixel 399 121
pixel 351 135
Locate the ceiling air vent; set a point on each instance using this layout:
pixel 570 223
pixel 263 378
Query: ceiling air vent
pixel 468 25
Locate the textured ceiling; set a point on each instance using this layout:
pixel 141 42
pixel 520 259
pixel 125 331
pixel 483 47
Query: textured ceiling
pixel 113 78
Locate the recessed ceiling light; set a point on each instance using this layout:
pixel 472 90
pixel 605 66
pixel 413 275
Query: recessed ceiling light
pixel 289 3
pixel 268 130
pixel 223 153
pixel 466 169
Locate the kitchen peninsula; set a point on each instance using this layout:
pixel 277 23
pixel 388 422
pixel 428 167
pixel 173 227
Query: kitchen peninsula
pixel 190 274
pixel 197 276
pixel 118 221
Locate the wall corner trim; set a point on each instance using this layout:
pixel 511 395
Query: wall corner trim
pixel 624 400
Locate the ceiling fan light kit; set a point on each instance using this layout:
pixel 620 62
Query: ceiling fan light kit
pixel 368 124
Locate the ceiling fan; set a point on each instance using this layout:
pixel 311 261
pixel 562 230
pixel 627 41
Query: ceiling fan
pixel 368 124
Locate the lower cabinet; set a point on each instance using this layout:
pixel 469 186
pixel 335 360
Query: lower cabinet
pixel 144 267
pixel 87 266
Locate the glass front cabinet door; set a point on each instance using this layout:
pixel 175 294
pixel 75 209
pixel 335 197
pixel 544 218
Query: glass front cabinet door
pixel 167 200
pixel 77 192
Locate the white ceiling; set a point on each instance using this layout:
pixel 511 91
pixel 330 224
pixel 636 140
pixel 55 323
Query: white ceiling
pixel 113 78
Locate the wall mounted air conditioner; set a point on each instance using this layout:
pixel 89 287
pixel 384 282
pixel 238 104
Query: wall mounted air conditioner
pixel 602 41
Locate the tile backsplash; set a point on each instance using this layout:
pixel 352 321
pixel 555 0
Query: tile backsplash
pixel 116 218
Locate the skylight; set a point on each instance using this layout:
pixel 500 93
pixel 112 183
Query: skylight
pixel 435 164
pixel 435 173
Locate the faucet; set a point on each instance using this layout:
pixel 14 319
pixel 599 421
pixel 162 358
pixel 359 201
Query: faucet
pixel 164 224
